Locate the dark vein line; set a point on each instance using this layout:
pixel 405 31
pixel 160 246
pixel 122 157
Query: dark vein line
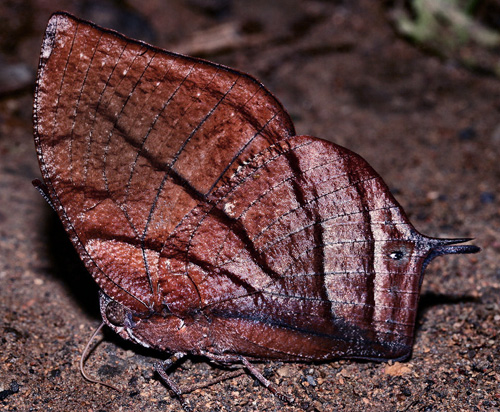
pixel 286 180
pixel 341 242
pixel 170 169
pixel 140 148
pixel 338 302
pixel 176 156
pixel 282 151
pixel 94 122
pixel 106 149
pixel 146 136
pixel 313 200
pixel 118 116
pixel 75 111
pixel 198 126
pixel 242 149
pixel 151 127
pixel 346 272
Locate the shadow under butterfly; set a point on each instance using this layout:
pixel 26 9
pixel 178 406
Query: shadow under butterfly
pixel 209 226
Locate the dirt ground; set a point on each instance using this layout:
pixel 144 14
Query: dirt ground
pixel 428 126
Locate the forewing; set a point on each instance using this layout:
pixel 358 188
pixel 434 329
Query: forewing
pixel 131 138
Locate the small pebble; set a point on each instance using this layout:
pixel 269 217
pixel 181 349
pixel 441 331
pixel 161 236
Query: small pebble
pixel 310 380
pixel 468 133
pixel 285 372
pixel 487 197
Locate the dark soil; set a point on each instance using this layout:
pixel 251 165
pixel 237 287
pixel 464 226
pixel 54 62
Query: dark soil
pixel 428 126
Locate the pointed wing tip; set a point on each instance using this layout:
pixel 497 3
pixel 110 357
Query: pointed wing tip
pixel 60 20
pixel 449 246
pixel 453 245
pixel 460 249
pixel 50 34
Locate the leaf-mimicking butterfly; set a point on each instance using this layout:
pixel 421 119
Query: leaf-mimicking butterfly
pixel 209 226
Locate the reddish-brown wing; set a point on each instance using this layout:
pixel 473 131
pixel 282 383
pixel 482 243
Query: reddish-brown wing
pixel 291 258
pixel 131 138
pixel 206 221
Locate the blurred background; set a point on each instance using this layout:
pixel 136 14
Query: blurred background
pixel 411 85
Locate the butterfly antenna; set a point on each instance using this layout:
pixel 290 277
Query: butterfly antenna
pixel 85 353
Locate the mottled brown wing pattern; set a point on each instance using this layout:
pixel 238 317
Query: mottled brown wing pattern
pixel 294 245
pixel 209 226
pixel 130 138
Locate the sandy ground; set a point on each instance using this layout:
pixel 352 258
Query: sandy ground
pixel 429 127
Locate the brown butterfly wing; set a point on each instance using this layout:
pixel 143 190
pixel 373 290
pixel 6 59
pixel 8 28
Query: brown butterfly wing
pixel 291 258
pixel 206 221
pixel 131 138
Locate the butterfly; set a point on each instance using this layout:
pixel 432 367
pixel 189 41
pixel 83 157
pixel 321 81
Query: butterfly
pixel 210 227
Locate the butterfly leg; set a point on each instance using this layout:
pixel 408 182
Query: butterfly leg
pixel 231 359
pixel 162 367
pixel 265 382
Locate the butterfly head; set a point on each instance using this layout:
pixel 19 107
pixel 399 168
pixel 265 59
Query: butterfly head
pixel 118 317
